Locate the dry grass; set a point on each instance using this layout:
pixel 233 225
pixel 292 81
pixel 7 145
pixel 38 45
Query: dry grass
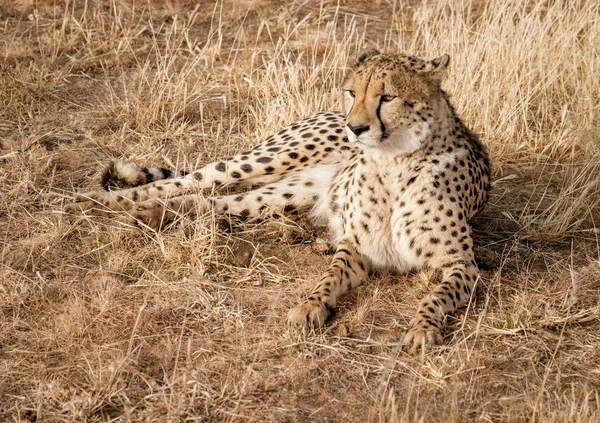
pixel 101 323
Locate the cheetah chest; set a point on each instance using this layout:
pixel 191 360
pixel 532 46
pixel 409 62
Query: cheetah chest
pixel 377 193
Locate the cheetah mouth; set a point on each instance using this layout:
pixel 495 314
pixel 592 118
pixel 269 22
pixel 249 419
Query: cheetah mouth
pixel 363 144
pixel 370 142
pixel 367 140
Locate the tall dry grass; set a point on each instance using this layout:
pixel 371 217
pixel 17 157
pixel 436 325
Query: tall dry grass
pixel 101 323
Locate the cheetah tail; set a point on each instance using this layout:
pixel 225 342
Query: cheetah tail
pixel 121 174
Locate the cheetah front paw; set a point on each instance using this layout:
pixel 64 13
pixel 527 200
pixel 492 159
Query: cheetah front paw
pixel 310 314
pixel 421 336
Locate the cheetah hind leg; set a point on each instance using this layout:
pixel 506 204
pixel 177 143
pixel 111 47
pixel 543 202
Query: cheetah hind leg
pixel 278 156
pixel 425 329
pixel 293 193
pixel 347 270
pixel 157 212
pixel 231 172
pixel 213 175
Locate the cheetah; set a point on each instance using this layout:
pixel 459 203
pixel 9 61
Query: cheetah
pixel 397 179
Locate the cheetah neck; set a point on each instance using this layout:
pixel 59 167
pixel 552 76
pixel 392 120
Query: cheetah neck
pixel 406 141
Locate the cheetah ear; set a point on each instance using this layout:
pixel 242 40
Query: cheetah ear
pixel 366 54
pixel 438 67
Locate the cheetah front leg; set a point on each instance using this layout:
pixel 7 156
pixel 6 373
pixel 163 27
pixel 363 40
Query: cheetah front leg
pixel 425 329
pixel 347 271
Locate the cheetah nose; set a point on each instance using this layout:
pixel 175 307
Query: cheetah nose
pixel 358 129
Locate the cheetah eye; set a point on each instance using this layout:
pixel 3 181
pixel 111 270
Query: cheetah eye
pixel 387 97
pixel 351 93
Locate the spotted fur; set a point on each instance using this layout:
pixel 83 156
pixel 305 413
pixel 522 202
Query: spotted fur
pixel 397 180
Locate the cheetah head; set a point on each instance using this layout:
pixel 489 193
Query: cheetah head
pixel 392 100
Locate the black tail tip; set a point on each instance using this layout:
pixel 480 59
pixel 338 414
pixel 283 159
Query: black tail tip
pixel 107 179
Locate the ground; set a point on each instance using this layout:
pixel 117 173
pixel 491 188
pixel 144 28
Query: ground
pixel 101 322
